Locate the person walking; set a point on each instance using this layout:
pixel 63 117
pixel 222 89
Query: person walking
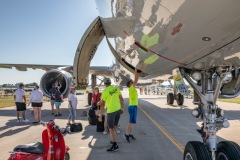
pixel 52 93
pixel 114 102
pixel 72 105
pixel 36 99
pixel 132 108
pixel 58 101
pixel 20 101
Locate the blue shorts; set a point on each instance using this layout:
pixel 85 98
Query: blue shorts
pixel 132 110
pixel 57 104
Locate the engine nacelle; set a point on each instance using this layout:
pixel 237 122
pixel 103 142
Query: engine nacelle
pixel 54 76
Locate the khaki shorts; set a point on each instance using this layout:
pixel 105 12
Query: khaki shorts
pixel 52 102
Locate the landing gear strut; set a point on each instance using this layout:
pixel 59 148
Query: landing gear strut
pixel 207 87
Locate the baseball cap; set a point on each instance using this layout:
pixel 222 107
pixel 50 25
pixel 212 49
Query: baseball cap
pixel 106 80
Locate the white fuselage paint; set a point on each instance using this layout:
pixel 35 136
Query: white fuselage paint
pixel 173 29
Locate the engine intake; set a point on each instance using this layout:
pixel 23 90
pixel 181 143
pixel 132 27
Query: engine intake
pixel 53 76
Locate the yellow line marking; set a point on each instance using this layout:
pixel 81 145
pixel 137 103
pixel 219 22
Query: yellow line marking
pixel 166 133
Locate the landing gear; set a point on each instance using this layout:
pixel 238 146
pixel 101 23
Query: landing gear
pixel 170 98
pixel 227 150
pixel 195 150
pixel 179 99
pixel 207 85
pixel 176 95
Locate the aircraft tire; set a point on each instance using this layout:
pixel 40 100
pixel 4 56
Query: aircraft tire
pixel 180 99
pixel 227 150
pixel 170 98
pixel 89 98
pixel 195 150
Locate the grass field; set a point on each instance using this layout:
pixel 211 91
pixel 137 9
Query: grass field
pixel 234 100
pixel 8 101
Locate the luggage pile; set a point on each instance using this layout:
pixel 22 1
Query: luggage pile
pixel 93 120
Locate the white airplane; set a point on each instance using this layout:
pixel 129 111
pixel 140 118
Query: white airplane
pixel 195 40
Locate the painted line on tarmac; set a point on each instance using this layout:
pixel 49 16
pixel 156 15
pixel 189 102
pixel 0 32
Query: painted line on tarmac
pixel 166 133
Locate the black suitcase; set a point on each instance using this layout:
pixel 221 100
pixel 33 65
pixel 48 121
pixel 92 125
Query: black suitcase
pixel 77 127
pixel 100 125
pixel 91 112
pixel 92 120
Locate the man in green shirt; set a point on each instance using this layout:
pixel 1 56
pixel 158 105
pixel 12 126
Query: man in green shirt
pixel 133 103
pixel 114 101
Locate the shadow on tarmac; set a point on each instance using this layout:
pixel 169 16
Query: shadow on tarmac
pixel 178 122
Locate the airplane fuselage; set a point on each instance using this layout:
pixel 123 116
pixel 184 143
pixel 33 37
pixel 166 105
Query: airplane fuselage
pixel 170 34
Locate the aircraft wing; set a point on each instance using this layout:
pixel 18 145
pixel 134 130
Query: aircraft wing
pixel 101 70
pixel 24 67
pixel 97 70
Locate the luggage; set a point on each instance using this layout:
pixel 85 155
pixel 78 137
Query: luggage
pixel 92 120
pixel 100 125
pixel 94 106
pixel 91 112
pixel 77 127
pixel 84 113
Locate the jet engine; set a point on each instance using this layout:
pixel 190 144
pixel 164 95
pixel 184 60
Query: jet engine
pixel 56 76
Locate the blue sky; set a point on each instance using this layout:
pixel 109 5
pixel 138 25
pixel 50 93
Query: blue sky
pixel 44 32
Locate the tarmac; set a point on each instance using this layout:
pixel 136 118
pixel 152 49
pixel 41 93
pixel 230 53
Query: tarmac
pixel 161 131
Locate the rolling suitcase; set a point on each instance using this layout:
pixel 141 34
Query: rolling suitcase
pixel 92 120
pixel 100 125
pixel 91 112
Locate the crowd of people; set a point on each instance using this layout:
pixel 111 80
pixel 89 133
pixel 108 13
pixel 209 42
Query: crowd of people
pixel 36 101
pixel 110 102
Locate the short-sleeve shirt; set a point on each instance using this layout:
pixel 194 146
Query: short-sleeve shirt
pixel 133 96
pixel 52 92
pixel 36 96
pixel 72 97
pixel 19 93
pixel 58 96
pixel 111 97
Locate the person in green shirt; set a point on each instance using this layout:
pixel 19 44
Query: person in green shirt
pixel 113 100
pixel 133 103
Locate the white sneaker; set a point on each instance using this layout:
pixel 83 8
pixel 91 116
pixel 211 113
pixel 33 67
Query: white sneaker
pixel 19 120
pixel 105 132
pixel 117 131
pixel 26 120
